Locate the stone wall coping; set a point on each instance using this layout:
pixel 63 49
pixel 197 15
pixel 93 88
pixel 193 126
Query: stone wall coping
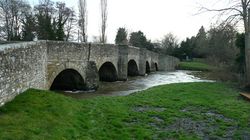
pixel 4 47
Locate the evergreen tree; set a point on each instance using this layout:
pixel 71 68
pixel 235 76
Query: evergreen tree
pixel 201 43
pixel 44 12
pixel 121 36
pixel 60 32
pixel 187 48
pixel 49 28
pixel 149 45
pixel 138 39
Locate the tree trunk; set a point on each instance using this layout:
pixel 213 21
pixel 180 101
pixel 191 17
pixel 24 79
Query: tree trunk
pixel 247 49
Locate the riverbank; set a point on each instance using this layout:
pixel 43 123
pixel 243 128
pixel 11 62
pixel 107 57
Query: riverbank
pixel 204 70
pixel 199 69
pixel 179 111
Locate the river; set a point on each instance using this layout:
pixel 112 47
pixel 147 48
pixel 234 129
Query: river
pixel 133 84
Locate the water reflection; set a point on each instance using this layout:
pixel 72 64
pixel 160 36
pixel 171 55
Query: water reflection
pixel 137 84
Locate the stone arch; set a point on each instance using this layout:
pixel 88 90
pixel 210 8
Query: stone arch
pixel 108 72
pixel 133 68
pixel 156 67
pixel 54 70
pixel 68 79
pixel 147 67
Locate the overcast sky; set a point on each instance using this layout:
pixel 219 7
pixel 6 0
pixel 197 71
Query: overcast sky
pixel 153 17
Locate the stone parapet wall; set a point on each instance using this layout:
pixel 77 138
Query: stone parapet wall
pixel 168 63
pixel 22 66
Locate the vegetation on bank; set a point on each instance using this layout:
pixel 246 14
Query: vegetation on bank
pixel 181 111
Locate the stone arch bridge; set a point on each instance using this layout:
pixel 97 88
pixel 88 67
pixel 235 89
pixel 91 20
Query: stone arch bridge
pixel 64 65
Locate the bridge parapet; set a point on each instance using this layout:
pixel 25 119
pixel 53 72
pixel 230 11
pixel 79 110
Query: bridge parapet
pixel 167 63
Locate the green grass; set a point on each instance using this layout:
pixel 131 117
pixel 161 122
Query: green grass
pixel 210 110
pixel 196 66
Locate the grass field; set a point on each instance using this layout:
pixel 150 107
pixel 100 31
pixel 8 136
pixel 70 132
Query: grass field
pixel 177 111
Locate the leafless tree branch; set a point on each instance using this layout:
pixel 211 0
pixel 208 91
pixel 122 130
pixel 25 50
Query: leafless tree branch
pixel 237 8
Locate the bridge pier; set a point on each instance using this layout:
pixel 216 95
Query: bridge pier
pixel 123 63
pixel 92 77
pixel 153 69
pixel 142 62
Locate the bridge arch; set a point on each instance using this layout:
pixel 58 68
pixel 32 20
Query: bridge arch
pixel 133 68
pixel 147 67
pixel 68 79
pixel 107 72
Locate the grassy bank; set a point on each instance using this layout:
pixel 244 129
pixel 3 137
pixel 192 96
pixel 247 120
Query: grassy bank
pixel 179 111
pixel 196 66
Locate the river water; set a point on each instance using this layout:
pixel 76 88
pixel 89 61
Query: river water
pixel 133 84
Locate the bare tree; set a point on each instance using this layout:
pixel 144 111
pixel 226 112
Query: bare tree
pixel 5 22
pixel 104 15
pixel 237 11
pixel 169 43
pixel 70 26
pixel 64 14
pixel 221 48
pixel 83 20
pixel 11 14
pixel 28 24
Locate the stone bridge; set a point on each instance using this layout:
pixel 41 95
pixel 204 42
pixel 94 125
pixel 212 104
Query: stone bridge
pixel 72 66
